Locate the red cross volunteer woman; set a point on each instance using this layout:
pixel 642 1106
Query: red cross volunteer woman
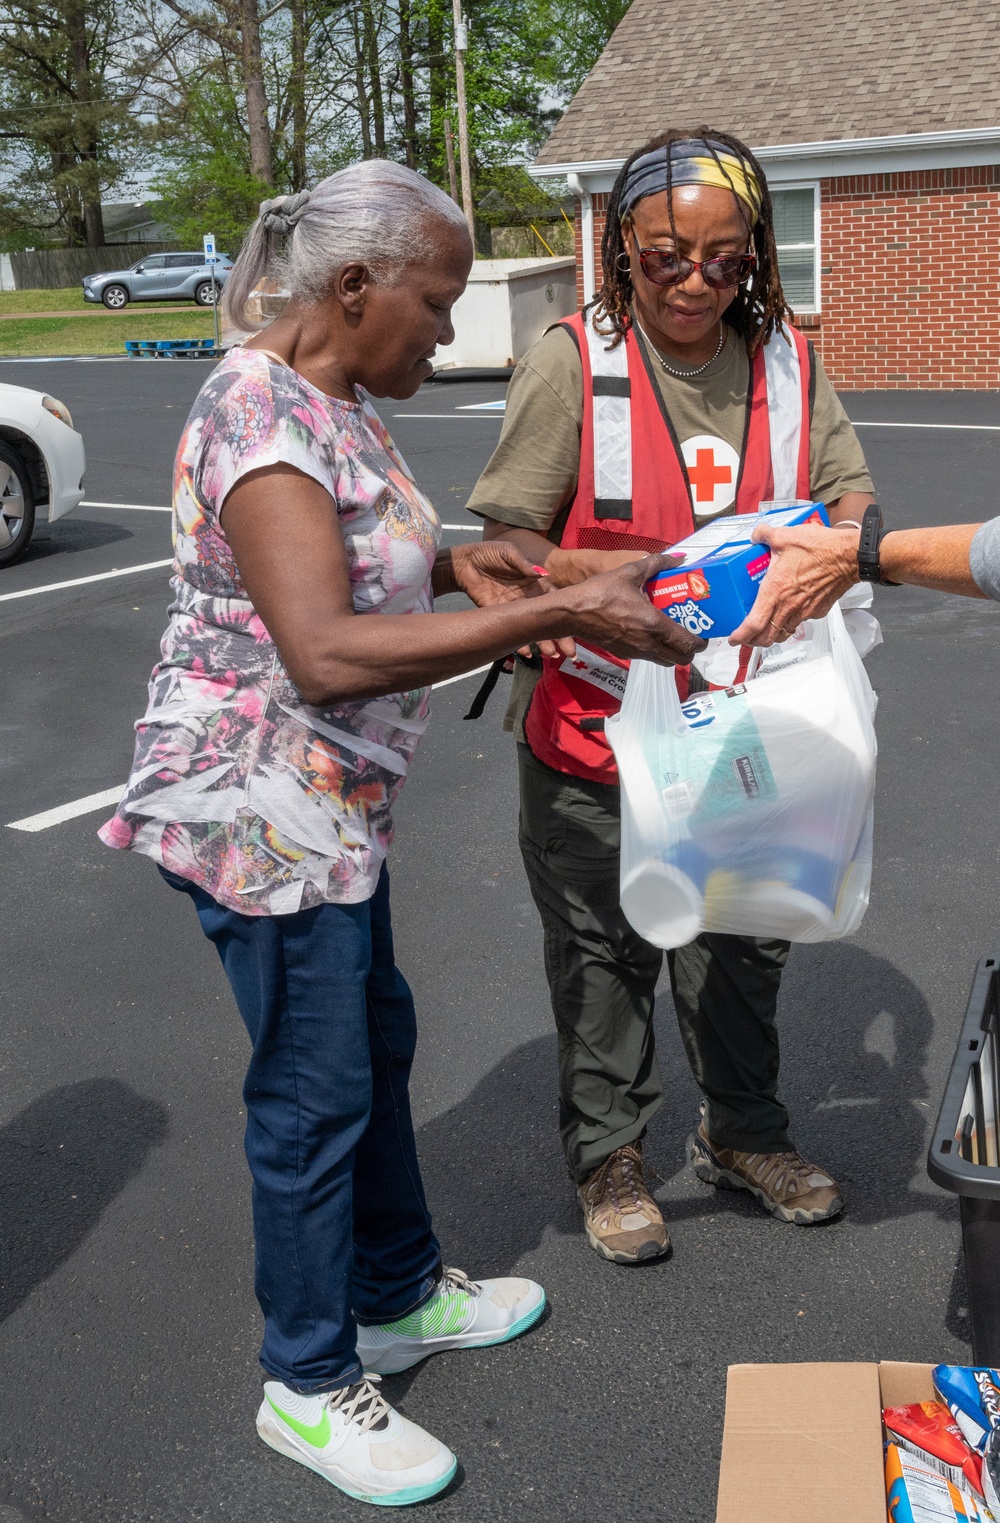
pixel 683 393
pixel 291 695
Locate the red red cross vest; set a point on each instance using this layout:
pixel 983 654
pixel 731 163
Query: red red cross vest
pixel 634 493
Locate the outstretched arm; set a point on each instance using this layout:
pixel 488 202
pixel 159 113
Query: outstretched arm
pixel 298 581
pixel 811 567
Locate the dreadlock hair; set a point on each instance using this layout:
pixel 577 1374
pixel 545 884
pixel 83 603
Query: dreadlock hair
pixel 759 306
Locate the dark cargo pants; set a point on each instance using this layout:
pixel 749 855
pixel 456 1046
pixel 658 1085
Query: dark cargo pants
pixel 602 976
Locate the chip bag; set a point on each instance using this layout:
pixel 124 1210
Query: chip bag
pixel 917 1494
pixel 927 1431
pixel 991 1473
pixel 972 1396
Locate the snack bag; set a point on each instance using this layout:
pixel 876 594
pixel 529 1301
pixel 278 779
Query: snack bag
pixel 916 1494
pixel 927 1431
pixel 972 1395
pixel 991 1473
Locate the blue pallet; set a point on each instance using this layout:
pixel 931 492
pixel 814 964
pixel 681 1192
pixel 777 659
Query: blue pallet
pixel 173 348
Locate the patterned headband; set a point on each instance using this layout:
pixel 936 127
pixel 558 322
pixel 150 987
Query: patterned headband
pixel 691 163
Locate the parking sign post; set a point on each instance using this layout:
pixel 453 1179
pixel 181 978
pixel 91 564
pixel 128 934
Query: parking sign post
pixel 212 259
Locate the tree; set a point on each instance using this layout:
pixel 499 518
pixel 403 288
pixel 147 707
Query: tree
pixel 209 185
pixel 234 28
pixel 581 31
pixel 229 101
pixel 66 118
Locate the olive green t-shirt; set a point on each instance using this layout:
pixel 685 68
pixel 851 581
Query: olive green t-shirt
pixel 532 473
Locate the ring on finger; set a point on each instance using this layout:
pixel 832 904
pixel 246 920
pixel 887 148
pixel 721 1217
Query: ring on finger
pixel 785 634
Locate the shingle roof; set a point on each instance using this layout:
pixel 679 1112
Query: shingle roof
pixel 786 71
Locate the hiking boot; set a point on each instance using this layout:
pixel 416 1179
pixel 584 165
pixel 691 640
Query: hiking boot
pixel 784 1183
pixel 462 1313
pixel 622 1219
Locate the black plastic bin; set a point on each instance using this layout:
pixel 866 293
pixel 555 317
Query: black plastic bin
pixel 964 1154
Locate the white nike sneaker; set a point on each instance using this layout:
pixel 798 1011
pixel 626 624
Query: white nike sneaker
pixel 462 1313
pixel 353 1438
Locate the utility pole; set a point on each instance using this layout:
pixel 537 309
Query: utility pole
pixel 461 48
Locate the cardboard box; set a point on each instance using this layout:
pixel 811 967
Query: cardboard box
pixel 802 1443
pixel 713 589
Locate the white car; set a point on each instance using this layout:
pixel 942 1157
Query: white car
pixel 41 466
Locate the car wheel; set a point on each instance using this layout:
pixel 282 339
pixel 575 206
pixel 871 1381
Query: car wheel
pixel 115 297
pixel 206 294
pixel 17 506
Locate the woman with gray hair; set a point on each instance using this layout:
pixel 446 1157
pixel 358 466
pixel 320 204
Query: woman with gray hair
pixel 291 695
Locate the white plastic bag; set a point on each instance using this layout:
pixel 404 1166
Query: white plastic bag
pixel 749 811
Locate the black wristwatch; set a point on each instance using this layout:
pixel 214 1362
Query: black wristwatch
pixel 872 535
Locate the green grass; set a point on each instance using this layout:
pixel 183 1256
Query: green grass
pixel 65 300
pixel 86 335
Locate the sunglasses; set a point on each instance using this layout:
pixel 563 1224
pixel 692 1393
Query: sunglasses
pixel 722 272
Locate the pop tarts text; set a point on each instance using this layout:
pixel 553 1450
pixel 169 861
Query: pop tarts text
pixel 713 589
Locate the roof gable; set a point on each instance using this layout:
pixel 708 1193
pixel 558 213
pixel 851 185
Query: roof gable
pixel 786 72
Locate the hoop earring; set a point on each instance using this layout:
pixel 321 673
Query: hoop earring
pixel 623 269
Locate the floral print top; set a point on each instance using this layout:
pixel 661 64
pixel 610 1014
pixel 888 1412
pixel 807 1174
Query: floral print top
pixel 268 804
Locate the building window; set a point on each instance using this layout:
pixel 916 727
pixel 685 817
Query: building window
pixel 796 218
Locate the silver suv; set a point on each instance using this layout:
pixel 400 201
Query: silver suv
pixel 159 277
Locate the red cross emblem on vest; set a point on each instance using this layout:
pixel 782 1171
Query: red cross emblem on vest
pixel 713 468
pixel 705 475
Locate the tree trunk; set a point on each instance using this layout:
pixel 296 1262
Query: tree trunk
pixel 359 83
pixel 374 77
pixel 297 91
pixel 254 92
pixel 438 70
pixel 87 125
pixel 406 85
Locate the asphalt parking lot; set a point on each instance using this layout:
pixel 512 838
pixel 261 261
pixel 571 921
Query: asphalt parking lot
pixel 129 1328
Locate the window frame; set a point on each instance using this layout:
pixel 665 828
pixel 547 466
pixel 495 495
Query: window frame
pixel 813 185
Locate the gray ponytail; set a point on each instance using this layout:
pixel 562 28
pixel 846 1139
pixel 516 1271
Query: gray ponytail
pixel 377 213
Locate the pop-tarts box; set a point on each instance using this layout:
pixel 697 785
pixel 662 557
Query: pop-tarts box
pixel 713 589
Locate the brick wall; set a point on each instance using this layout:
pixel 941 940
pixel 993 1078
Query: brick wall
pixel 910 279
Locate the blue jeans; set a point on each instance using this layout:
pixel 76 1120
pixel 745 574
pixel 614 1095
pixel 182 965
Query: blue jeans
pixel 341 1227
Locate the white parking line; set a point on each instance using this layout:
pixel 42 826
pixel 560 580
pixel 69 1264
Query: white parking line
pixel 81 581
pixel 456 417
pixel 975 428
pixel 130 507
pixel 95 801
pixel 462 676
pixel 63 812
pixel 142 507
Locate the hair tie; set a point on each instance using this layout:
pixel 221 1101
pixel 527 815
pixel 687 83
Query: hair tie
pixel 282 213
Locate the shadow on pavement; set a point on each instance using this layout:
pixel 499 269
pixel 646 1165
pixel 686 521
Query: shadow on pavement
pixel 68 536
pixel 854 1032
pixel 63 1159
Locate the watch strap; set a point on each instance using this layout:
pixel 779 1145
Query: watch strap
pixel 869 569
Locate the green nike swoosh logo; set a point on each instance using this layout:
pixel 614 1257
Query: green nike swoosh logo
pixel 317 1434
